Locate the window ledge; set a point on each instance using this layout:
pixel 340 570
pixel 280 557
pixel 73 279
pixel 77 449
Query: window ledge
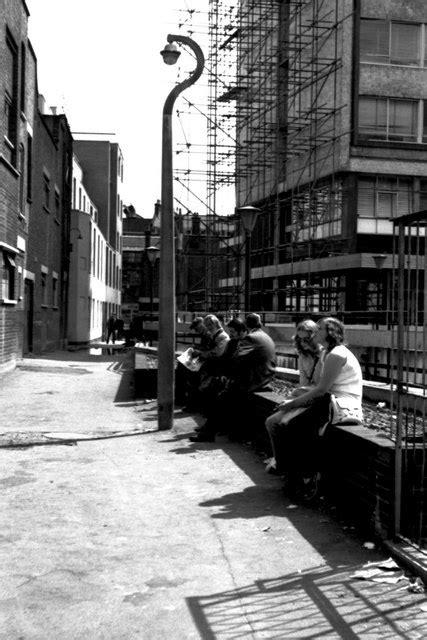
pixel 5 161
pixel 410 65
pixel 44 306
pixel 6 301
pixel 389 144
pixel 9 143
pixel 55 308
pixel 45 208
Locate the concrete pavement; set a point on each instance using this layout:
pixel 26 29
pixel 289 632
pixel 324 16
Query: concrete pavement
pixel 152 537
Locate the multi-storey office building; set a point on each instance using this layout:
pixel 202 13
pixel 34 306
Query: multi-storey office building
pixel 331 145
pixel 18 99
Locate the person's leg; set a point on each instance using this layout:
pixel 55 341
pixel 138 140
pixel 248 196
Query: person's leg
pixel 306 446
pixel 274 429
pixel 217 419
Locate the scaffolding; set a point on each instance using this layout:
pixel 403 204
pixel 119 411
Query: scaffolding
pixel 277 120
pixel 276 129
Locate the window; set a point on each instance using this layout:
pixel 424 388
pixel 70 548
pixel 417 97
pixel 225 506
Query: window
pixel 46 191
pixel 10 73
pixel 374 41
pixel 425 121
pixel 384 197
pixel 55 291
pixel 29 168
pixel 44 289
pixel 22 167
pixel 57 205
pixel 7 276
pixel 23 77
pixel 423 195
pixel 388 119
pixel 390 42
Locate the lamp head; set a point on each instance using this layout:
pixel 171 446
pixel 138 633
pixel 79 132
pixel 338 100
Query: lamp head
pixel 152 254
pixel 170 54
pixel 248 216
pixel 379 260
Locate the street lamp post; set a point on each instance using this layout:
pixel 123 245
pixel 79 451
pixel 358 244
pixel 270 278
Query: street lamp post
pixel 152 255
pixel 248 216
pixel 166 349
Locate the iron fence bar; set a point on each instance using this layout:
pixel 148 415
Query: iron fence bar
pixel 399 380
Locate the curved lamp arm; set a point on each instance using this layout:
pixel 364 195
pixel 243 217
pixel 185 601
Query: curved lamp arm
pixel 179 88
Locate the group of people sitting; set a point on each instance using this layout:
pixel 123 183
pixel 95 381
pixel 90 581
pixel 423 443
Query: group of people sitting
pixel 235 363
pixel 242 360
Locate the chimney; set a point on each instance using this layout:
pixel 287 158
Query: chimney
pixel 42 104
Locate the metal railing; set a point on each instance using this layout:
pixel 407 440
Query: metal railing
pixel 409 337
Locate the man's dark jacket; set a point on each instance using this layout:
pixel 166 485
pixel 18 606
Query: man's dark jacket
pixel 254 363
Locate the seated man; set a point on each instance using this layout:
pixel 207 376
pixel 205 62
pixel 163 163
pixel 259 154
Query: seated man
pixel 252 368
pixel 211 356
pixel 187 382
pixel 218 370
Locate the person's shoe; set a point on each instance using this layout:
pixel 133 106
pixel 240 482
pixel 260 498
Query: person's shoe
pixel 202 437
pixel 271 468
pixel 311 487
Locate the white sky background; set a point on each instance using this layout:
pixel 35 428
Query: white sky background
pixel 99 63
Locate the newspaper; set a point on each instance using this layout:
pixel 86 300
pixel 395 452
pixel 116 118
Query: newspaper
pixel 186 358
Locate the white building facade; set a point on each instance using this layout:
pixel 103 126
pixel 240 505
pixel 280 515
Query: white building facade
pixel 95 269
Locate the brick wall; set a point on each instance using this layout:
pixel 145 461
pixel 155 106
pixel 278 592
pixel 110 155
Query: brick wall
pixel 49 227
pixel 13 213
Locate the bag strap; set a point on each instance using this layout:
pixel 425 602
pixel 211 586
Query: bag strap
pixel 316 360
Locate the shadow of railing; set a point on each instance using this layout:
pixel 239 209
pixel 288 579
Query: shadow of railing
pixel 319 603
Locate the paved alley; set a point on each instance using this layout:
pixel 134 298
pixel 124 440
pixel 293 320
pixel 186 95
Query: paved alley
pixel 113 530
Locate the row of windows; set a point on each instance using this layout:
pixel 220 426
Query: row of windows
pixel 84 203
pixel 392 42
pixel 14 95
pixel 392 119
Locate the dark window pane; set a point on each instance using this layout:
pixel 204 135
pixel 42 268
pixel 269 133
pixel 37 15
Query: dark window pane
pixel 374 41
pixel 405 43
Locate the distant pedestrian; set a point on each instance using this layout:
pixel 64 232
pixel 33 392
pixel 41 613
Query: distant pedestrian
pixel 118 328
pixel 111 328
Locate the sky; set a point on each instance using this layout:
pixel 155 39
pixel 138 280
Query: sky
pixel 99 63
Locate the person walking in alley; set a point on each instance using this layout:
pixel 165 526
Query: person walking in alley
pixel 111 328
pixel 118 328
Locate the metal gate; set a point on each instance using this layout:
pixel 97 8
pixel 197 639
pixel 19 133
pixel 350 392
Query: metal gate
pixel 409 395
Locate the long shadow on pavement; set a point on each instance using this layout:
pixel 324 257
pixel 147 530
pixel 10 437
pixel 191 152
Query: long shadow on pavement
pixel 319 603
pixel 323 602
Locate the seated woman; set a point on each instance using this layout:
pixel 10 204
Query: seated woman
pixel 297 443
pixel 310 364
